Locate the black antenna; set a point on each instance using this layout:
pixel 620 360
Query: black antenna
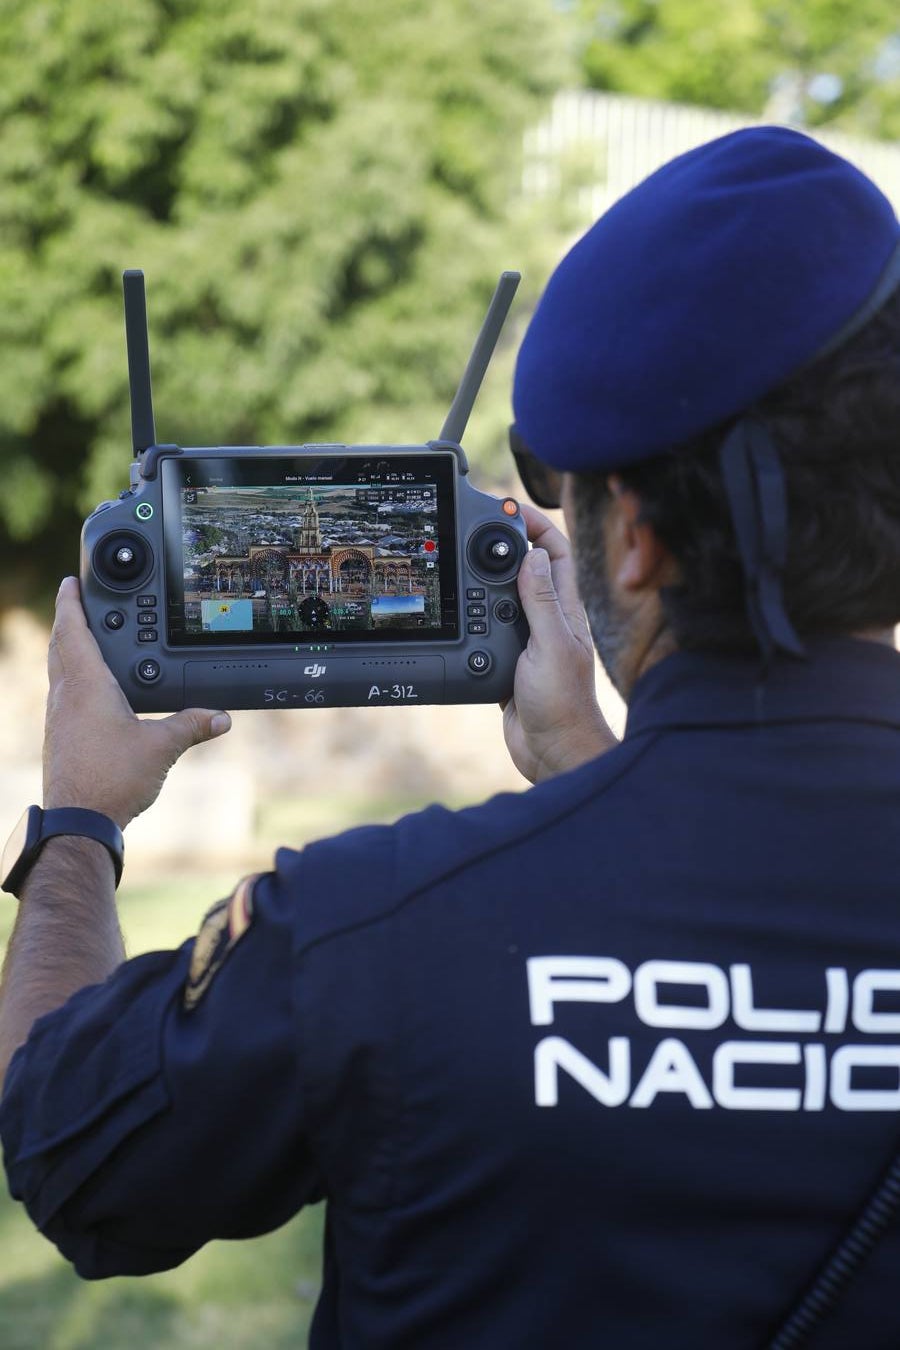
pixel 460 409
pixel 143 431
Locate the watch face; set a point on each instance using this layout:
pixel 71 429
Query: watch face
pixel 19 841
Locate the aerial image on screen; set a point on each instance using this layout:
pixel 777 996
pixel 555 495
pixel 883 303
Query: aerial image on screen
pixel 314 559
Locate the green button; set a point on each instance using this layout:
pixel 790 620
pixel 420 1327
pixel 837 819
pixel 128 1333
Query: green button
pixel 143 511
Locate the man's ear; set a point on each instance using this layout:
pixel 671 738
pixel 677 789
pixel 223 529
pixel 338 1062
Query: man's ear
pixel 640 560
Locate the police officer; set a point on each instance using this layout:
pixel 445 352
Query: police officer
pixel 614 1061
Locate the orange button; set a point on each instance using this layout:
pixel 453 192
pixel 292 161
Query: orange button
pixel 510 507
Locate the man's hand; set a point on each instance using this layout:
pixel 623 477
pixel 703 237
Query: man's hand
pixel 553 721
pixel 97 754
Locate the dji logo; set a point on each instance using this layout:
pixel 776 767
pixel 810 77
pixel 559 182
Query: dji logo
pixel 314 671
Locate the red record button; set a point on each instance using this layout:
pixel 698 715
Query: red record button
pixel 429 546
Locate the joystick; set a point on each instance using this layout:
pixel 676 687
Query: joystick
pixel 496 551
pixel 122 560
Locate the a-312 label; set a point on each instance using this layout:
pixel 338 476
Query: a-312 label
pixel 398 693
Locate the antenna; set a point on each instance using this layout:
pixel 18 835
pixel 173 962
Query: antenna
pixel 143 431
pixel 460 409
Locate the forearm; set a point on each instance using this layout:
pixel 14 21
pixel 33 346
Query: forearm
pixel 66 936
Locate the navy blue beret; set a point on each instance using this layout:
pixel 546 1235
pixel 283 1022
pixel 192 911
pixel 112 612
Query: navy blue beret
pixel 699 291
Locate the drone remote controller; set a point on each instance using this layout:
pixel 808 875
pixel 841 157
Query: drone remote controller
pixel 307 575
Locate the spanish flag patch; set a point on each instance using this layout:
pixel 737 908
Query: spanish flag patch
pixel 221 930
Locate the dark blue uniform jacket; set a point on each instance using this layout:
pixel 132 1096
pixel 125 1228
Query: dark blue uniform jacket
pixel 612 1062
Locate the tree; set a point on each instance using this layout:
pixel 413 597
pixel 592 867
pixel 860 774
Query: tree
pixel 318 191
pixel 812 62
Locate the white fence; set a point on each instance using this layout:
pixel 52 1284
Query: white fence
pixel 607 143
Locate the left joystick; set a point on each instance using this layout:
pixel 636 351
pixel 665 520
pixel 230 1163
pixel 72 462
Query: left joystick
pixel 122 561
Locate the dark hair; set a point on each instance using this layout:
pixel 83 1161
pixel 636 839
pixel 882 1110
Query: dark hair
pixel 837 424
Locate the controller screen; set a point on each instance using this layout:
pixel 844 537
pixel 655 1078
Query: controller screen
pixel 264 549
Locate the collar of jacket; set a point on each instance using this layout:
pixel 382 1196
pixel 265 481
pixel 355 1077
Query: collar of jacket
pixel 844 680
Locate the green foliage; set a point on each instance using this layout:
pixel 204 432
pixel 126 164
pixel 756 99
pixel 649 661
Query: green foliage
pixel 318 191
pixel 808 61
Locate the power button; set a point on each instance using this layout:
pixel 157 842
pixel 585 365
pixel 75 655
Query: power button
pixel 479 662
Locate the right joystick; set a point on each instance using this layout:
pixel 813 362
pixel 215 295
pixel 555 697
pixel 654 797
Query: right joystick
pixel 495 552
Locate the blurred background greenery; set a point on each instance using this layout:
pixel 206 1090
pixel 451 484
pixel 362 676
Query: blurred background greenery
pixel 812 63
pixel 319 192
pixel 322 194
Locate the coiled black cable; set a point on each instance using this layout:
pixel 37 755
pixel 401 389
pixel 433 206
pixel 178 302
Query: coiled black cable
pixel 844 1263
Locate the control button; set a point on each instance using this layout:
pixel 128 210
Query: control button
pixel 144 511
pixel 476 611
pixel 148 670
pixel 146 601
pixel 479 662
pixel 147 617
pixel 114 619
pixel 507 611
pixel 510 506
pixel 500 549
pixel 147 635
pixel 475 593
pixel 477 628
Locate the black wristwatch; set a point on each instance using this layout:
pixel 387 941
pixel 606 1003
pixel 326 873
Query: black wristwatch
pixel 37 826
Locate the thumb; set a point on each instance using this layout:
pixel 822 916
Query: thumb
pixel 192 726
pixel 540 600
pixel 73 649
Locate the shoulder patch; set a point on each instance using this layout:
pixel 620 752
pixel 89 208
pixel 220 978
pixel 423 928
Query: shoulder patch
pixel 221 930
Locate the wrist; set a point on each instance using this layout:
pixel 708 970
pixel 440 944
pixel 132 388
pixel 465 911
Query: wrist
pixel 570 748
pixel 60 796
pixel 74 853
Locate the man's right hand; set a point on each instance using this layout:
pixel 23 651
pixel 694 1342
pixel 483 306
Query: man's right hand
pixel 97 754
pixel 553 722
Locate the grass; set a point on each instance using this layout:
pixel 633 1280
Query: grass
pixel 237 1296
pixel 287 821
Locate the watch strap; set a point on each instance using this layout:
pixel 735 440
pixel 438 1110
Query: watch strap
pixel 87 824
pixel 75 821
